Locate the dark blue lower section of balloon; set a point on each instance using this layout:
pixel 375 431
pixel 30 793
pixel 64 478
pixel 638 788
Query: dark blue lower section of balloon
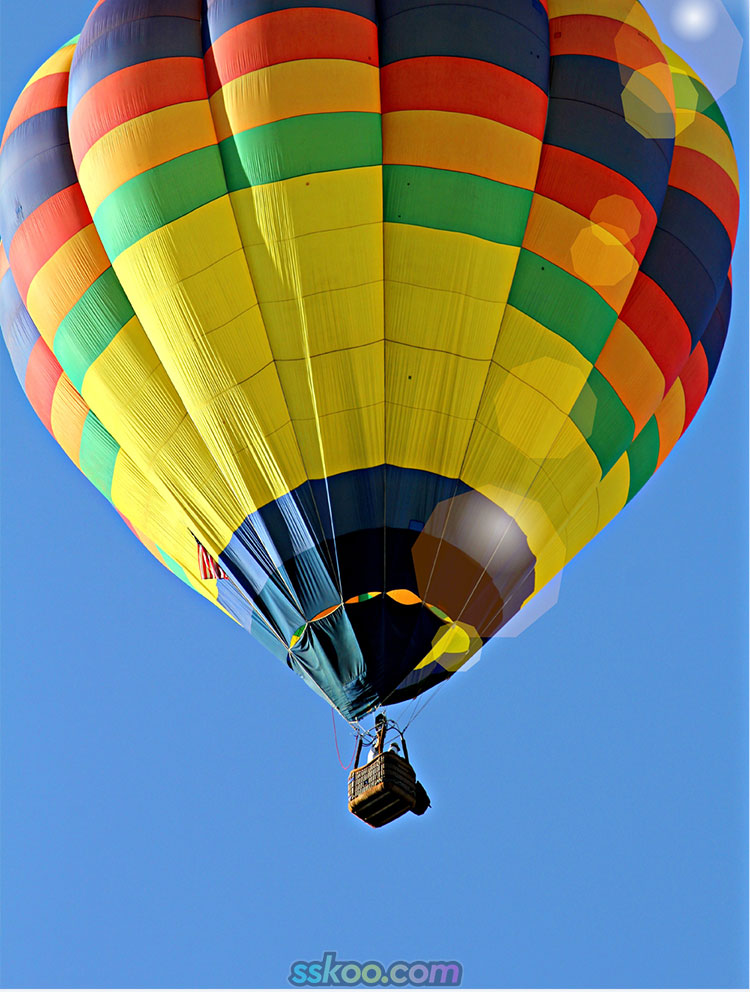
pixel 298 566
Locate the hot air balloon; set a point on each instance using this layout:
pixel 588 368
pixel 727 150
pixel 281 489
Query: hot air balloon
pixel 366 318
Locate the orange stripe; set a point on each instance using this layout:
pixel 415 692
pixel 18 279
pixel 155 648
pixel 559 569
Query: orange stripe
pixel 63 279
pixel 67 418
pixel 632 373
pixel 44 232
pixel 465 143
pixel 149 86
pixel 281 36
pixel 4 265
pixel 670 419
pixel 404 597
pixel 324 614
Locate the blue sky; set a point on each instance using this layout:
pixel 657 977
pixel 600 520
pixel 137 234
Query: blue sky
pixel 173 809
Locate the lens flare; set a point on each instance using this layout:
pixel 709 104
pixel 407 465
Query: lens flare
pixel 694 19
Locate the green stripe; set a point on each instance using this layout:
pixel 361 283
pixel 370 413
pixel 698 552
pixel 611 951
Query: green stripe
pixel 159 196
pixel 690 93
pixel 643 454
pixel 92 323
pixel 99 452
pixel 175 567
pixel 306 144
pixel 457 202
pixel 603 419
pixel 564 304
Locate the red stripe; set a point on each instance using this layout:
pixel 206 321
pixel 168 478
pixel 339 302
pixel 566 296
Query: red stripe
pixel 132 92
pixel 48 92
pixel 43 233
pixel 584 185
pixel 656 321
pixel 42 375
pixel 202 564
pixel 604 37
pixel 465 86
pixel 286 35
pixel 702 177
pixel 694 378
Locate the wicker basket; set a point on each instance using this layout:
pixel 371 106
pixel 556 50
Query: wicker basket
pixel 382 790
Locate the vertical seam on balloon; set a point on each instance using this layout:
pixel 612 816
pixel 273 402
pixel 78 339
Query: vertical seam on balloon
pixel 563 526
pixel 323 538
pixel 187 416
pixel 458 480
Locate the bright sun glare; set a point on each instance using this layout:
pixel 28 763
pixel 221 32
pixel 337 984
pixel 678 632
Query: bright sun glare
pixel 694 19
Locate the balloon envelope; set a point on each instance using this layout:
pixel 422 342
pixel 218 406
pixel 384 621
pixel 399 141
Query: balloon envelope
pixel 366 318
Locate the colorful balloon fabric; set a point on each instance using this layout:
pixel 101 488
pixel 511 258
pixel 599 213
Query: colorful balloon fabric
pixel 366 317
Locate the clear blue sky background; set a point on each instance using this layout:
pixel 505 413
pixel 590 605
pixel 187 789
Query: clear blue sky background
pixel 173 810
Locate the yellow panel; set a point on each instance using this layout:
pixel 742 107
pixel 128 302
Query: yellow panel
pixel 442 260
pixel 325 261
pixel 520 414
pixel 582 524
pixel 61 281
pixel 336 199
pixel 135 400
pixel 571 464
pixel 288 89
pixel 58 63
pixel 140 403
pixel 632 372
pixel 138 145
pixel 695 131
pixel 342 380
pixel 541 358
pixel 433 380
pixel 349 440
pixel 467 143
pixel 425 439
pixel 583 248
pixel 314 247
pixel 359 321
pixel 613 490
pixel 153 273
pixel 670 419
pixel 67 417
pixel 447 321
pixel 157 521
pixel 511 480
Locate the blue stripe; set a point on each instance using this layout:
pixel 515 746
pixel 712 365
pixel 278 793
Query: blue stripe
pixel 715 333
pixel 37 180
pixel 678 271
pixel 18 328
pixel 223 15
pixel 531 16
pixel 33 136
pixel 691 222
pixel 607 138
pixel 602 82
pixel 466 31
pixel 114 13
pixel 129 45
